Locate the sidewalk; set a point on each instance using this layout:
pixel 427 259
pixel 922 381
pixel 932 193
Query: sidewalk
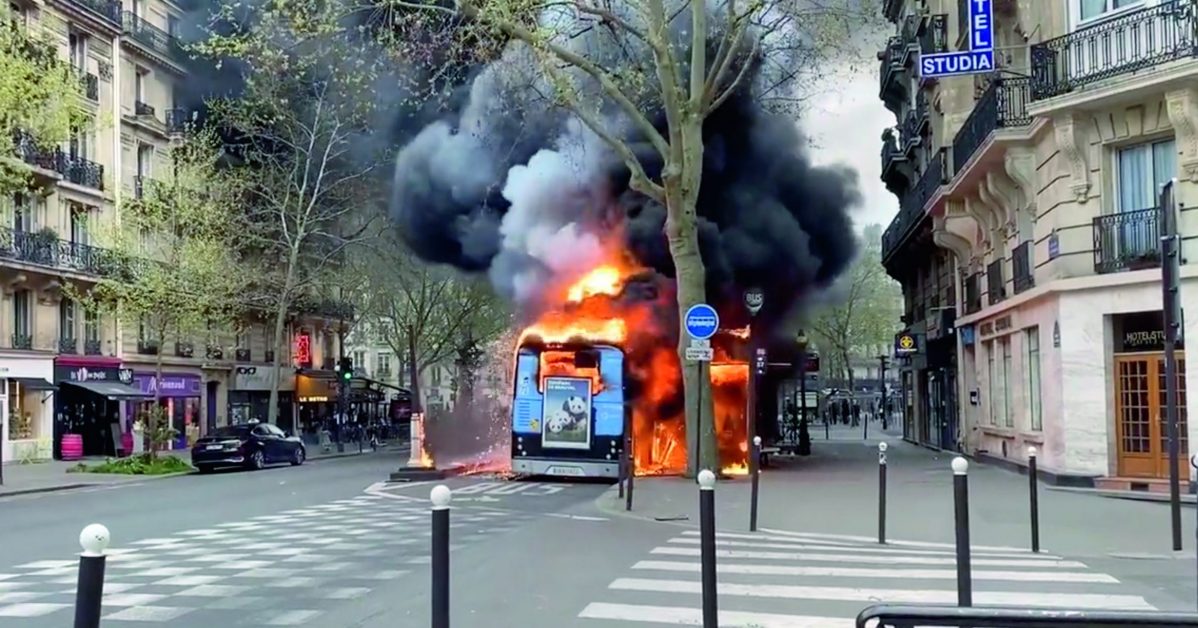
pixel 52 475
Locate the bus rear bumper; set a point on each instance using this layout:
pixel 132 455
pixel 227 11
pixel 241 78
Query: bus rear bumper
pixel 566 468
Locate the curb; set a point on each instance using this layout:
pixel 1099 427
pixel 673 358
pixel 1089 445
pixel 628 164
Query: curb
pixel 1161 498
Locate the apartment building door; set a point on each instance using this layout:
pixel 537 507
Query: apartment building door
pixel 1141 432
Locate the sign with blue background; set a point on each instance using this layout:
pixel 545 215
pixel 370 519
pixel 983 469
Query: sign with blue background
pixel 979 59
pixel 702 321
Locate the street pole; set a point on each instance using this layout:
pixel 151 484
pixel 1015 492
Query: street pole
pixel 961 508
pixel 706 548
pixel 440 496
pixel 1033 489
pixel 1171 286
pixel 882 493
pixel 754 298
pixel 755 452
pixel 882 383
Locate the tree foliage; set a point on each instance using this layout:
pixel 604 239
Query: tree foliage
pixel 173 267
pixel 41 99
pixel 430 315
pixel 864 314
pixel 301 125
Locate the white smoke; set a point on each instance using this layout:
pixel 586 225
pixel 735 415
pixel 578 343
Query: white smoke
pixel 552 197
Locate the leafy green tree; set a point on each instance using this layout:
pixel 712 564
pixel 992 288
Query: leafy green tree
pixel 429 315
pixel 863 312
pixel 303 127
pixel 173 266
pixel 680 61
pixel 41 100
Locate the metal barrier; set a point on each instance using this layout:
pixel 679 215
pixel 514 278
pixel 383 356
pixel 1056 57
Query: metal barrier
pixel 886 616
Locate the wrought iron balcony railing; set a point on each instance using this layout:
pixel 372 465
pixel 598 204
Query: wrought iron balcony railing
pixel 1002 105
pixel 268 356
pixel 892 159
pixel 973 293
pixel 1128 43
pixel 68 345
pixel 73 168
pixel 143 109
pixel 22 341
pixel 107 9
pixel 934 37
pixel 45 249
pixel 177 120
pixel 1127 240
pixel 91 86
pixel 151 36
pixel 147 347
pixel 184 349
pixel 242 355
pixel 1023 267
pixel 213 352
pixel 326 308
pixel 93 346
pixel 912 205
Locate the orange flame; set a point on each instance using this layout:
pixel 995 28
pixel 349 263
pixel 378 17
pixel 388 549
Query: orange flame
pixel 589 310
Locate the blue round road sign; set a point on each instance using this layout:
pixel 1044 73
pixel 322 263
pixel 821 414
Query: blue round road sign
pixel 702 321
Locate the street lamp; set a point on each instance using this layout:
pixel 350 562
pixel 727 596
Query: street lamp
pixel 804 437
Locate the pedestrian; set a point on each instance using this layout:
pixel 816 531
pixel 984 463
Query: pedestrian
pixel 856 413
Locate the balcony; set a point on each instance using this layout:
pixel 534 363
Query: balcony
pixel 92 346
pixel 45 248
pixel 147 347
pixel 68 346
pixel 934 36
pixel 1131 42
pixel 1023 266
pixel 177 120
pixel 1127 241
pixel 893 86
pixel 896 168
pixel 213 352
pixel 22 341
pixel 915 125
pixel 151 36
pixel 996 288
pixel 912 205
pixel 107 9
pixel 325 308
pixel 72 168
pixel 243 355
pixel 268 356
pixel 144 109
pixel 91 86
pixel 1003 105
pixel 184 349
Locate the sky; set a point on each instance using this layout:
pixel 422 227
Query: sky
pixel 845 123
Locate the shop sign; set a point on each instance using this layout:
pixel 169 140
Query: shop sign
pixel 169 385
pixel 303 349
pixel 93 374
pixel 905 344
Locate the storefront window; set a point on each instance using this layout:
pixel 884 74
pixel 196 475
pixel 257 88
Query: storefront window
pixel 1032 342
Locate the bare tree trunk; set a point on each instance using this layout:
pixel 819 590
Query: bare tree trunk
pixel 272 408
pixel 156 412
pixel 417 406
pixel 848 367
pixel 683 237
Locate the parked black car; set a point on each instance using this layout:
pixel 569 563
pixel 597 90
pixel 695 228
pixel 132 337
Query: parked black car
pixel 253 446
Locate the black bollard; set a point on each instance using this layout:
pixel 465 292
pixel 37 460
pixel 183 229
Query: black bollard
pixel 1032 480
pixel 707 547
pixel 882 493
pixel 961 503
pixel 440 497
pixel 755 470
pixel 89 592
pixel 827 432
pixel 630 469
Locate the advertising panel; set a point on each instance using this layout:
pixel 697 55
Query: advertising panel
pixel 567 413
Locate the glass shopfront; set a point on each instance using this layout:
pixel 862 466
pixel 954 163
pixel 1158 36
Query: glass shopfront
pixel 179 395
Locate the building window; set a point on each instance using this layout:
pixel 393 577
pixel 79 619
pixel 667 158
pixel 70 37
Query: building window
pixel 20 313
pixel 91 326
pixel 385 363
pixel 1031 341
pixel 79 232
pixel 992 375
pixel 1090 10
pixel 66 319
pixel 22 213
pixel 145 160
pixel 359 360
pixel 172 26
pixel 1143 169
pixel 78 51
pixel 1007 415
pixel 436 376
pixel 79 144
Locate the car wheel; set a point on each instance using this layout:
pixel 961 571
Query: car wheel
pixel 297 458
pixel 257 461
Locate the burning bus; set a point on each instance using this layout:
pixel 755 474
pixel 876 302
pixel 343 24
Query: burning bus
pixel 598 366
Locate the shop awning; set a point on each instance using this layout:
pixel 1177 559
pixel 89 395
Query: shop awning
pixel 113 390
pixel 34 383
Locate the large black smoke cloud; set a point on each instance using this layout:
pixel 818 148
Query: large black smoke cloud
pixel 510 185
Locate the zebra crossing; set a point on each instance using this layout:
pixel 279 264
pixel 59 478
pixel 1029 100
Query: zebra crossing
pixel 777 579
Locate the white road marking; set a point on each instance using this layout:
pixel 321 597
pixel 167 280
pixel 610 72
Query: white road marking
pixel 680 616
pixel 854 572
pixel 853 558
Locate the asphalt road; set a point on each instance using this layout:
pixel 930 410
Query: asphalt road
pixel 328 545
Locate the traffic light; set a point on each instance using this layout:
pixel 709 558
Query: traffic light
pixel 346 367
